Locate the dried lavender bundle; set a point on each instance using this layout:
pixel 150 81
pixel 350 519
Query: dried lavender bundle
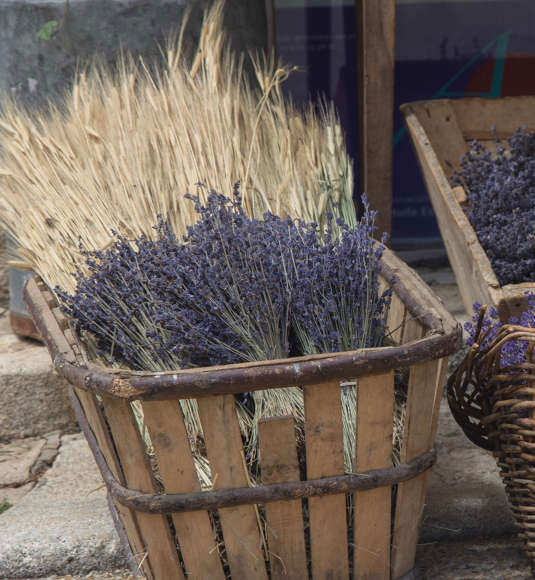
pixel 234 289
pixel 500 192
pixel 512 352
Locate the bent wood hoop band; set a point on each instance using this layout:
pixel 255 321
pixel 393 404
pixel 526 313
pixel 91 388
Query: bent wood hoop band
pixel 214 500
pixel 443 338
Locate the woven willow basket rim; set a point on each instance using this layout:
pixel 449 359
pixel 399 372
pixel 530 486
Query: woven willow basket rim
pixel 474 385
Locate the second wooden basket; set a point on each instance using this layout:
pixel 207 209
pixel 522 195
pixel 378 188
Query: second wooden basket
pixel 440 131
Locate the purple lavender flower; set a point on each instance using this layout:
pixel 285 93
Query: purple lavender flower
pixel 500 192
pixel 512 352
pixel 336 303
pixel 230 290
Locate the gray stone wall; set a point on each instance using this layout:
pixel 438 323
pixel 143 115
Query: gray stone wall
pixel 43 41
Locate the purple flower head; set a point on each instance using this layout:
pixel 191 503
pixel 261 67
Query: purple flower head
pixel 513 352
pixel 500 192
pixel 234 289
pixel 336 303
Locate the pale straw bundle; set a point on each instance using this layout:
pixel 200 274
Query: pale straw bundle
pixel 130 143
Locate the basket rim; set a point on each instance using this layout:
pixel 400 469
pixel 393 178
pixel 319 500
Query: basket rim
pixel 443 338
pixel 458 102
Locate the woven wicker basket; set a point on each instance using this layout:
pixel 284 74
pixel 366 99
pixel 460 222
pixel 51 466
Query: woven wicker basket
pixel 494 403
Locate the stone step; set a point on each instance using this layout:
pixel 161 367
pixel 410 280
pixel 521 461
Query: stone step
pixel 33 397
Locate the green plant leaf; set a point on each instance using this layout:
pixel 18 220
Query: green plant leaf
pixel 47 30
pixel 4 505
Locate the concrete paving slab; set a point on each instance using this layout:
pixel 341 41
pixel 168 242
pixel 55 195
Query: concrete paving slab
pixel 442 281
pixel 483 559
pixel 17 459
pixel 63 525
pixel 465 496
pixel 118 574
pixel 14 495
pixel 48 453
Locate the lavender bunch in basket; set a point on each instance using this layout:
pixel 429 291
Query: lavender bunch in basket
pixel 234 289
pixel 500 192
pixel 231 290
pixel 241 270
pixel 484 332
pixel 337 305
pixel 221 295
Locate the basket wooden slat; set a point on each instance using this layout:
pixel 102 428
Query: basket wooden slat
pixel 427 332
pixel 490 118
pixel 128 519
pixel 159 545
pixel 243 539
pixel 325 457
pixel 396 319
pixel 165 424
pixel 284 519
pixel 440 131
pixel 372 509
pixel 411 494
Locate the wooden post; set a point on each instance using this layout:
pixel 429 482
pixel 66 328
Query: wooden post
pixel 375 66
pixel 271 29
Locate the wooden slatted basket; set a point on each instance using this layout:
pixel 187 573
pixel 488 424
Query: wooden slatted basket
pixel 440 131
pixel 291 524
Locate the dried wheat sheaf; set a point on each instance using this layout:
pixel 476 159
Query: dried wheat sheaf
pixel 129 142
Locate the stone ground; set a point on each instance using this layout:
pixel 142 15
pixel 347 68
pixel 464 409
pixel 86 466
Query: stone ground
pixel 57 525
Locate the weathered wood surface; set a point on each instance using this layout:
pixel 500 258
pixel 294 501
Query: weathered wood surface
pixel 473 272
pixel 375 80
pixel 198 546
pixel 128 519
pixel 217 499
pixel 423 396
pixel 440 124
pixel 477 116
pixel 396 319
pixel 209 381
pixel 372 509
pixel 325 457
pixel 284 519
pixel 243 539
pixel 439 131
pixel 155 531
